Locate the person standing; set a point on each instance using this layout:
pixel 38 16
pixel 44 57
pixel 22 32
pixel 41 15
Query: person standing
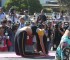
pixel 13 16
pixel 58 32
pixel 41 18
pixel 22 22
pixel 26 15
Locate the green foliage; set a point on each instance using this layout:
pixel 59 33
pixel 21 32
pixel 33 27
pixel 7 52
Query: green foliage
pixel 34 6
pixel 31 5
pixel 17 4
pixel 47 10
pixel 65 3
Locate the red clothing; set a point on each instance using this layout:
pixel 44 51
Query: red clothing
pixel 9 42
pixel 29 40
pixel 4 44
pixel 3 49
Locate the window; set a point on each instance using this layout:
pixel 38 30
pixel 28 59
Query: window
pixel 51 2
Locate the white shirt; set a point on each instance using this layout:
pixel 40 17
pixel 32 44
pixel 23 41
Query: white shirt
pixel 16 19
pixel 21 26
pixel 34 38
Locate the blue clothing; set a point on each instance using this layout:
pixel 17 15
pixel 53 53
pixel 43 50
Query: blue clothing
pixel 21 25
pixel 63 49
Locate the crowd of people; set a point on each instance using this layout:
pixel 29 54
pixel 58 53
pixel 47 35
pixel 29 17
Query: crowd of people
pixel 13 22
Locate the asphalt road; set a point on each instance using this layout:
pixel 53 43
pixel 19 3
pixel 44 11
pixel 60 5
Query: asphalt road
pixel 23 59
pixel 13 56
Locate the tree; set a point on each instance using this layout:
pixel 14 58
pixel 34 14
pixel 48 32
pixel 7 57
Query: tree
pixel 34 6
pixel 65 4
pixel 18 4
pixel 31 5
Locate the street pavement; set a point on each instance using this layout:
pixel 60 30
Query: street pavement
pixel 24 59
pixel 13 56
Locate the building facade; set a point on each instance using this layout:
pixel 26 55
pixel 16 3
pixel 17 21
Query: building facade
pixel 50 4
pixel 2 2
pixel 44 1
